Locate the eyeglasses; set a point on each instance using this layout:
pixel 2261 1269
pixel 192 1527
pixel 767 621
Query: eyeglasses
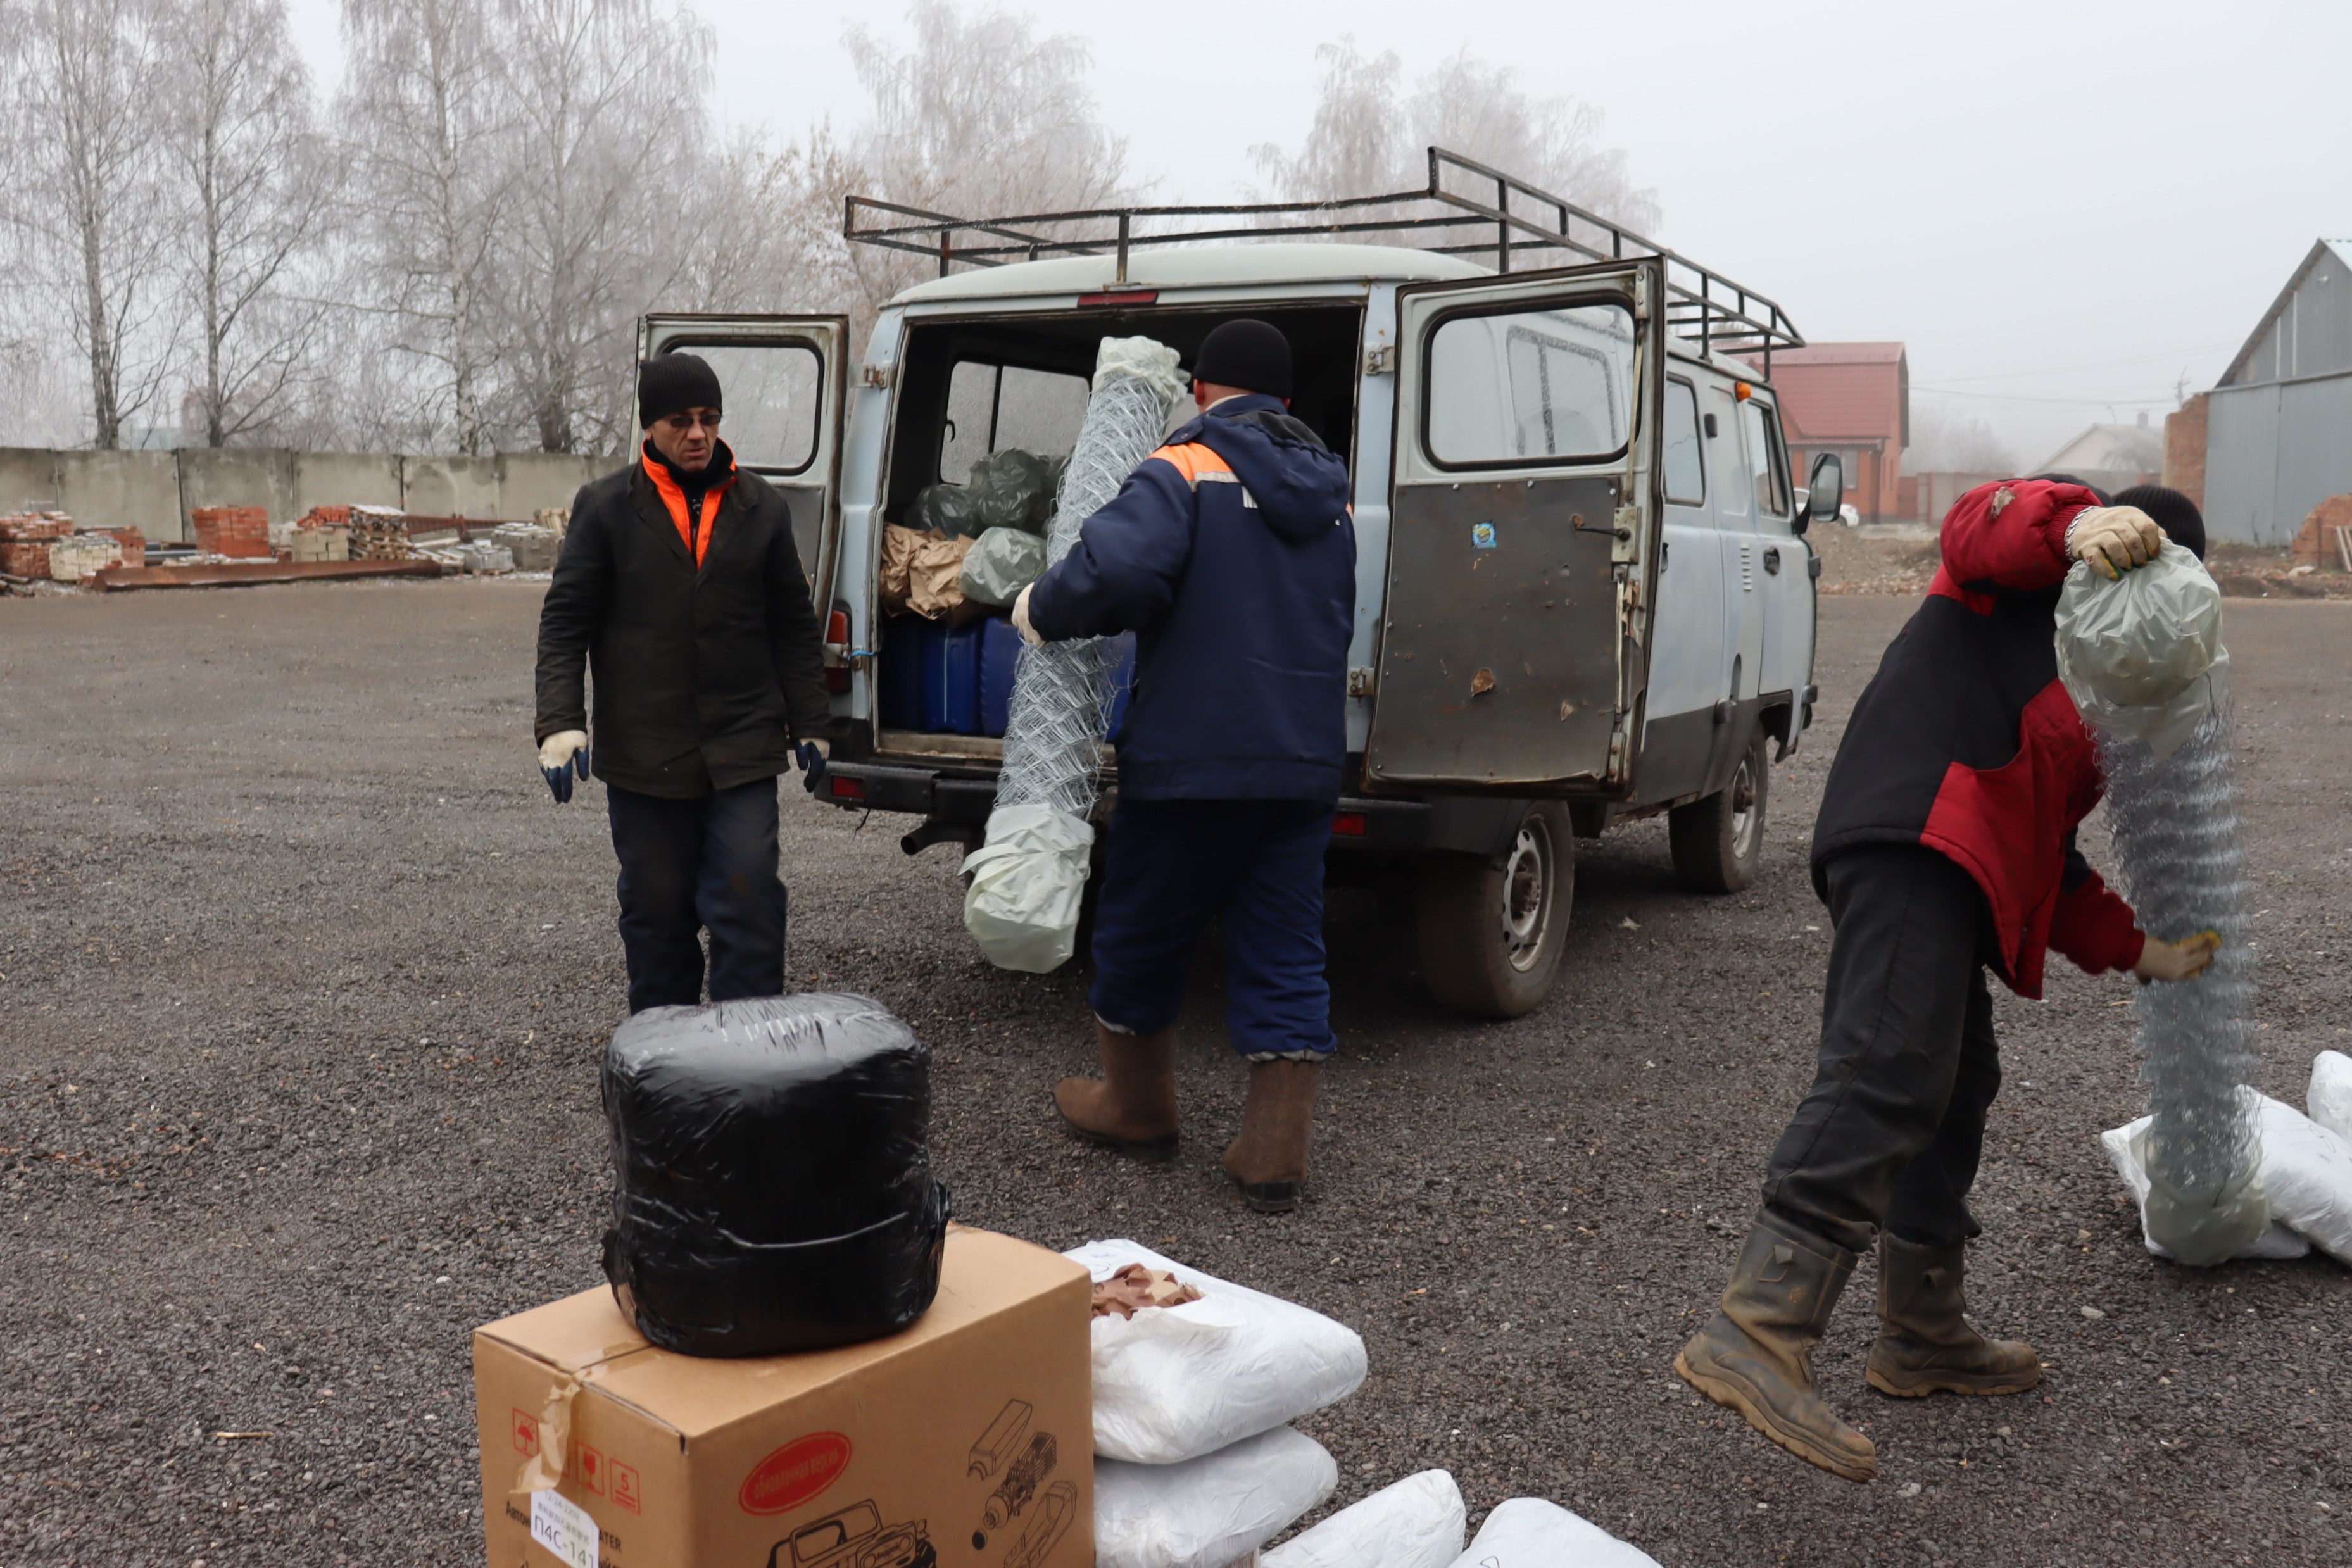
pixel 689 420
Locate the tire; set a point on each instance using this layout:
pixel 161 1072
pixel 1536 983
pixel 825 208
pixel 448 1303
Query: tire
pixel 1719 842
pixel 1491 934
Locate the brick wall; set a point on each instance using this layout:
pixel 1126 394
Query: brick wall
pixel 2315 545
pixel 2184 449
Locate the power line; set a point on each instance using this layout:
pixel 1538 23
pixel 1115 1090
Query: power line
pixel 2101 365
pixel 2166 401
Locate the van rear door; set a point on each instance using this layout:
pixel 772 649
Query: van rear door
pixel 1521 530
pixel 782 378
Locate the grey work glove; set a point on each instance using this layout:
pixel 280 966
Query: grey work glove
pixel 561 756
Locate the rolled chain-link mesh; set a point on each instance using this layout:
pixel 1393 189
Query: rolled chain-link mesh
pixel 2182 862
pixel 1061 692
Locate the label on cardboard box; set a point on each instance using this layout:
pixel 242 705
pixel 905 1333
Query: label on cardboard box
pixel 564 1528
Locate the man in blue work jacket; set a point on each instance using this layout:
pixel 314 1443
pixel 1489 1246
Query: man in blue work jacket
pixel 1231 554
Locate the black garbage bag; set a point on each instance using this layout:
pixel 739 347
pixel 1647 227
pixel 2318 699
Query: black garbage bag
pixel 775 1189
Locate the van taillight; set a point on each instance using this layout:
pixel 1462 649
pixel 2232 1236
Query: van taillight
pixel 836 627
pixel 848 789
pixel 1350 825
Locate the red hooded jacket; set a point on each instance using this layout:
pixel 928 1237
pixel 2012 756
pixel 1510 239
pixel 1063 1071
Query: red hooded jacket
pixel 1965 741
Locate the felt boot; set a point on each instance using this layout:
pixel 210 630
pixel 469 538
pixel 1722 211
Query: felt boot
pixel 1132 1106
pixel 1925 1344
pixel 1755 1355
pixel 1269 1158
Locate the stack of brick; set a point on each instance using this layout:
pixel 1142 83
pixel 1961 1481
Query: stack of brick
pixel 25 540
pixel 133 543
pixel 238 533
pixel 379 533
pixel 76 555
pixel 2324 540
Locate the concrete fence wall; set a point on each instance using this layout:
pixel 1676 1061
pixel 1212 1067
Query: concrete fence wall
pixel 155 491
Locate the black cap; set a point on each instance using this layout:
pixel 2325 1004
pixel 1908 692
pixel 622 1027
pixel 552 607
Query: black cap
pixel 669 383
pixel 1248 353
pixel 2084 483
pixel 2175 513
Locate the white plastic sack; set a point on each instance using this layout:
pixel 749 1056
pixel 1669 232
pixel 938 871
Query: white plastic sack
pixel 2329 1098
pixel 2123 1148
pixel 1146 360
pixel 1172 1383
pixel 2142 655
pixel 1026 884
pixel 2306 1169
pixel 1002 562
pixel 1416 1523
pixel 1528 1532
pixel 1206 1513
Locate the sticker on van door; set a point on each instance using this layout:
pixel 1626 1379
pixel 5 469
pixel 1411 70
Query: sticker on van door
pixel 1481 535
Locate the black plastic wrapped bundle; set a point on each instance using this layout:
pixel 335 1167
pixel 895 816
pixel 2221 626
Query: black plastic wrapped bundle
pixel 776 1190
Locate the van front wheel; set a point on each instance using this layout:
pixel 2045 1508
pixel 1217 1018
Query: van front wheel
pixel 1491 933
pixel 1719 842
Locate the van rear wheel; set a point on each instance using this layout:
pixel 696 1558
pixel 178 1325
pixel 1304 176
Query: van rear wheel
pixel 1719 842
pixel 1490 933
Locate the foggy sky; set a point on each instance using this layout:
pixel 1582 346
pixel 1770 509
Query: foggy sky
pixel 2063 208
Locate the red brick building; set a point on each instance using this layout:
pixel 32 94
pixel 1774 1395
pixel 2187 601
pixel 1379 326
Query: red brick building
pixel 1852 399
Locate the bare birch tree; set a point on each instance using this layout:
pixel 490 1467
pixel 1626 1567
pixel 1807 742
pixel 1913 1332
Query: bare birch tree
pixel 1370 136
pixel 88 200
pixel 251 182
pixel 425 129
pixel 609 94
pixel 982 118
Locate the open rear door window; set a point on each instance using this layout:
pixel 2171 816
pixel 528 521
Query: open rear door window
pixel 782 379
pixel 1522 530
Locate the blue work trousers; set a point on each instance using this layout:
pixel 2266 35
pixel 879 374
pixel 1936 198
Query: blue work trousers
pixel 687 866
pixel 1255 867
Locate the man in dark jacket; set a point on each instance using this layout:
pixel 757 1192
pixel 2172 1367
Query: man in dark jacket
pixel 680 585
pixel 1944 847
pixel 1231 553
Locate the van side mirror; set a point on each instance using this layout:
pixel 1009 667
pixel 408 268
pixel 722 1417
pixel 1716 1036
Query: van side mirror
pixel 1825 491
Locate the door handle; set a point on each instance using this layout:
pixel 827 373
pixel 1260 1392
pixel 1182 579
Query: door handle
pixel 1772 560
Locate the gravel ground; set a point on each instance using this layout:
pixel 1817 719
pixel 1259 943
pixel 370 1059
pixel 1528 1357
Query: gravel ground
pixel 306 979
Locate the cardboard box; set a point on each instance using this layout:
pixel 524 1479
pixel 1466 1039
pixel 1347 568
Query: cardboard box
pixel 965 1442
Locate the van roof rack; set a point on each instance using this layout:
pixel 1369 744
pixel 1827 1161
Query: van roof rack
pixel 1702 304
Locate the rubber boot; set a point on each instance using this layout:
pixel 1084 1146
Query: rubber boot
pixel 1269 1158
pixel 1755 1355
pixel 1926 1345
pixel 1132 1106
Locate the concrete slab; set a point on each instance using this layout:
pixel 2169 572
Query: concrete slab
pixel 345 479
pixel 450 486
pixel 239 477
pixel 29 479
pixel 529 480
pixel 123 489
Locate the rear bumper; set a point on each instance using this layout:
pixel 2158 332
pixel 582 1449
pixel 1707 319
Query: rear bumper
pixel 1361 825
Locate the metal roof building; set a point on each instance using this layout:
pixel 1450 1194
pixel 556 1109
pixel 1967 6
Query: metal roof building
pixel 2278 426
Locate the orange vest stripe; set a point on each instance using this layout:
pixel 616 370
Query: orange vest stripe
pixel 1193 460
pixel 674 501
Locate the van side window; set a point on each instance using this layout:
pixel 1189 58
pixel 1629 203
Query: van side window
pixel 1685 466
pixel 992 407
pixel 1727 458
pixel 775 396
pixel 1766 464
pixel 1546 386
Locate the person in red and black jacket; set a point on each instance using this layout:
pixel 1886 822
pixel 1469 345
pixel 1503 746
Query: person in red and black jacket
pixel 681 590
pixel 1944 848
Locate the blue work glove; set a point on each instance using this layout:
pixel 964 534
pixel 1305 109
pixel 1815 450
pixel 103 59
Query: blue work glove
pixel 561 756
pixel 812 754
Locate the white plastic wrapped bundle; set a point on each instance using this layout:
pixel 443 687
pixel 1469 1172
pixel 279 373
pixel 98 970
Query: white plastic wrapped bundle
pixel 1061 692
pixel 1416 1523
pixel 2143 659
pixel 1529 1532
pixel 1175 1382
pixel 1211 1512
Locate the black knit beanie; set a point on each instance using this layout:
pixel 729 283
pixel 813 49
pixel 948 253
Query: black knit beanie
pixel 1247 354
pixel 668 383
pixel 2175 513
